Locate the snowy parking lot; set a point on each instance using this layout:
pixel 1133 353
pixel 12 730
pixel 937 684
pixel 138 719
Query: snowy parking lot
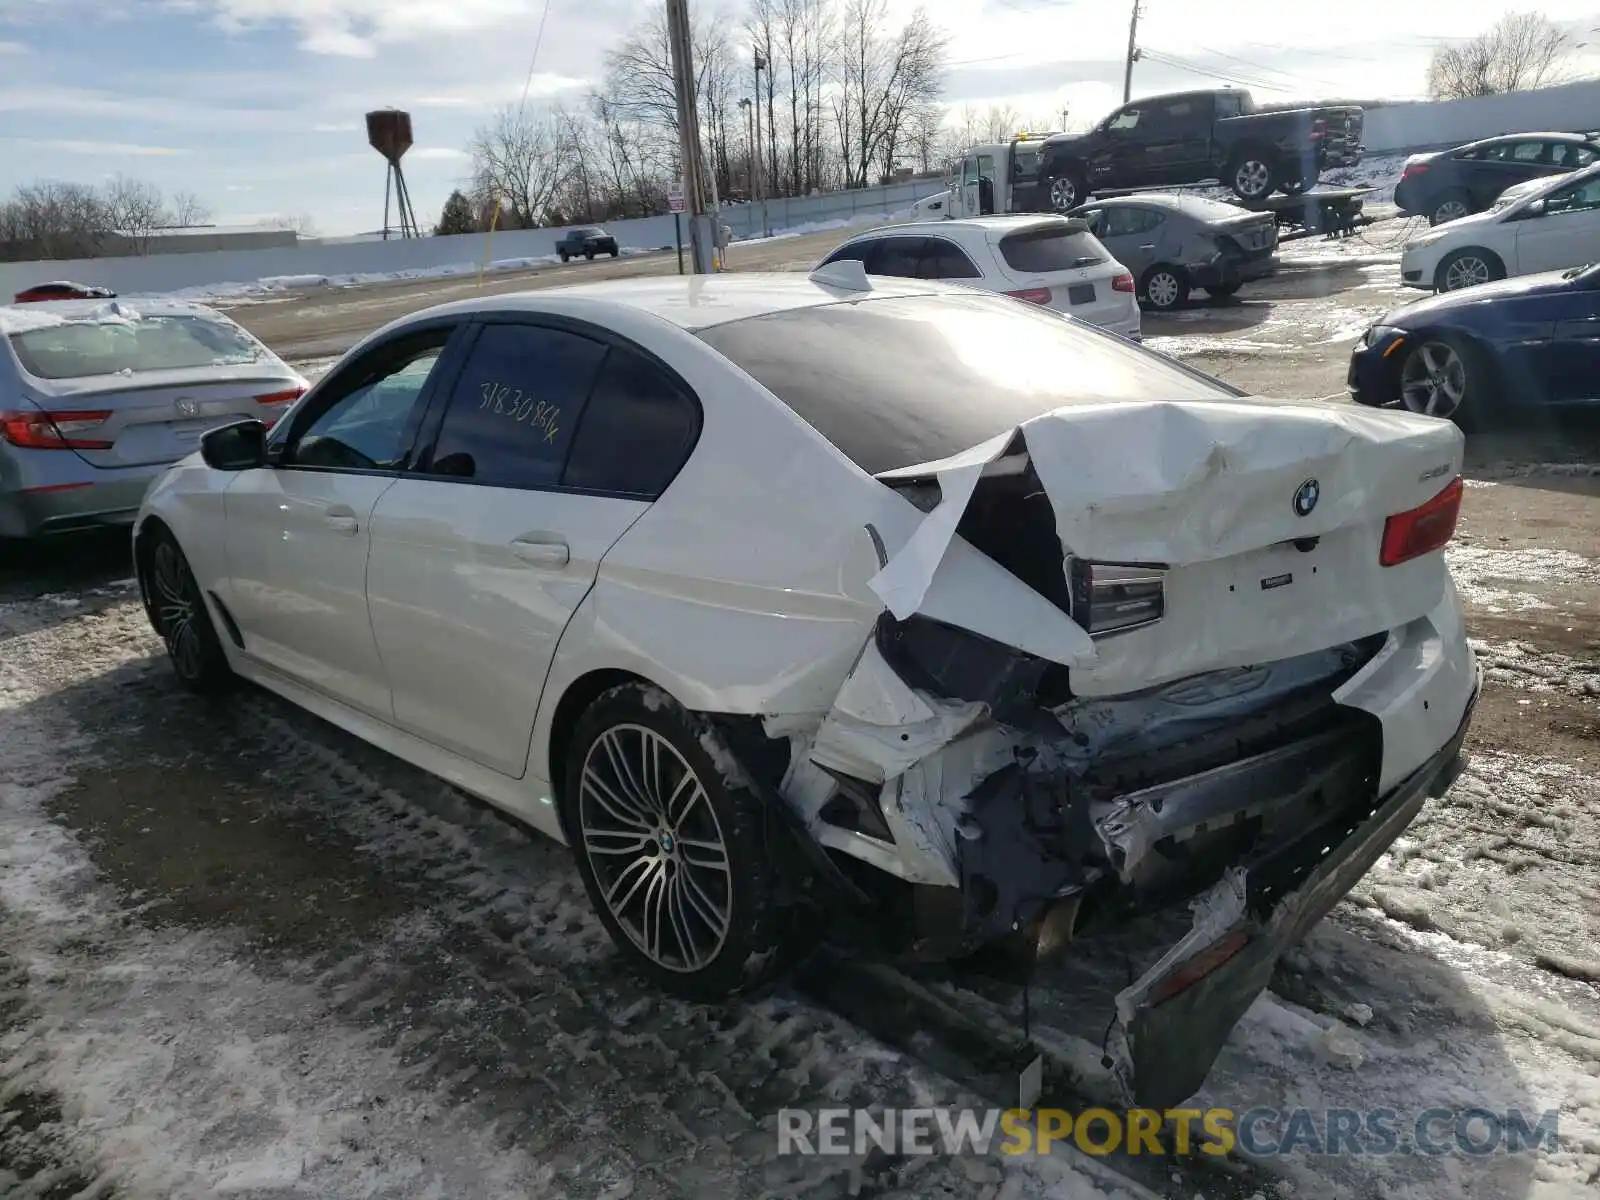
pixel 243 954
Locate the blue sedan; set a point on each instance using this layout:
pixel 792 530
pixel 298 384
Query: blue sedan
pixel 1476 354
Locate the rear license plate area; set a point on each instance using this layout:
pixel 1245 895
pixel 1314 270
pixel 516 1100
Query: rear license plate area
pixel 1080 293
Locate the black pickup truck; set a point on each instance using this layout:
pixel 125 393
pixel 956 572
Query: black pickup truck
pixel 586 240
pixel 1190 137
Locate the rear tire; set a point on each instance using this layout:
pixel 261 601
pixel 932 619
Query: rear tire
pixel 563 255
pixel 675 856
pixel 589 255
pixel 1451 206
pixel 1252 175
pixel 1468 267
pixel 1294 187
pixel 1066 191
pixel 178 613
pixel 1164 287
pixel 614 253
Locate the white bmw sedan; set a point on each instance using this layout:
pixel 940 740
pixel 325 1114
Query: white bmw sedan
pixel 886 607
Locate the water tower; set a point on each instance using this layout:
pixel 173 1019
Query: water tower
pixel 389 133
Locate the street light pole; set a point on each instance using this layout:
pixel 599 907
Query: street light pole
pixel 702 230
pixel 750 149
pixel 761 65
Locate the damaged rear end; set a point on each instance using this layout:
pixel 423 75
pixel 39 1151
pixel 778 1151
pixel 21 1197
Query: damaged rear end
pixel 1141 656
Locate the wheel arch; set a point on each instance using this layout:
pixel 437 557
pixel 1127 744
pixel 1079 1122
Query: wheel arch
pixel 575 701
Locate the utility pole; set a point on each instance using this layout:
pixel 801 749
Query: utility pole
pixel 1133 53
pixel 702 226
pixel 761 65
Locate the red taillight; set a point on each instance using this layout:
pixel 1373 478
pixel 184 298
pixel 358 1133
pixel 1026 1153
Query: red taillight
pixel 1423 529
pixel 1413 170
pixel 1032 295
pixel 279 401
pixel 1122 283
pixel 53 430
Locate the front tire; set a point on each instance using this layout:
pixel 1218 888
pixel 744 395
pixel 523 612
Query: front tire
pixel 614 253
pixel 564 256
pixel 1223 290
pixel 1443 377
pixel 1165 287
pixel 179 616
pixel 673 854
pixel 588 255
pixel 1466 268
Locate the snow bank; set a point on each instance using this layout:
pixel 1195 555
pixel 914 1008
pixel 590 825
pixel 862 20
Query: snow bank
pixel 852 222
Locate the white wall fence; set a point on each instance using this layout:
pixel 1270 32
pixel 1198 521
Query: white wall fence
pixel 1399 127
pixel 1571 108
pixel 174 272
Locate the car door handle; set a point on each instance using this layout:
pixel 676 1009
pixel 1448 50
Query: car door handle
pixel 1151 246
pixel 541 552
pixel 341 520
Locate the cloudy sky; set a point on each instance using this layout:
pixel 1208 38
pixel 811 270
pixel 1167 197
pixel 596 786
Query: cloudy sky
pixel 256 104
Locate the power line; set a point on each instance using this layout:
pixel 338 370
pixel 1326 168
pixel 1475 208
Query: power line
pixel 538 40
pixel 1183 64
pixel 1290 75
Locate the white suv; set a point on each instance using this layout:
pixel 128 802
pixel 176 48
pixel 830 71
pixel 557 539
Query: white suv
pixel 1051 261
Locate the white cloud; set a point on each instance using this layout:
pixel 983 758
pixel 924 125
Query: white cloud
pixel 340 43
pixel 12 48
pixel 73 146
pixel 337 127
pixel 438 152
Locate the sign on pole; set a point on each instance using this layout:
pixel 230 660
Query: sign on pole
pixel 675 198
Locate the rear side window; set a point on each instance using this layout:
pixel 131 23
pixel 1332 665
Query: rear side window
pixel 1035 251
pixel 79 349
pixel 515 407
pixel 636 431
pixel 946 260
pixel 900 257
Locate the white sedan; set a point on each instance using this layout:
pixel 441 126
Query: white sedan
pixel 1546 225
pixel 1051 261
pixel 793 605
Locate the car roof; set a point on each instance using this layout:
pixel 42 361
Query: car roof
pixel 691 302
pixel 1006 223
pixel 1534 136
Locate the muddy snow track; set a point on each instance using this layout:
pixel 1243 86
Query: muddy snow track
pixel 265 959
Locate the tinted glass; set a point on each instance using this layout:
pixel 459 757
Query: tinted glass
pixel 77 349
pixel 1051 249
pixel 904 380
pixel 856 250
pixel 636 430
pixel 366 429
pixel 513 411
pixel 1528 152
pixel 946 260
pixel 897 256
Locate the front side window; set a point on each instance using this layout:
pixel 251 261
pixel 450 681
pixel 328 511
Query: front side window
pixel 1583 197
pixel 1128 118
pixel 133 345
pixel 514 407
pixel 363 422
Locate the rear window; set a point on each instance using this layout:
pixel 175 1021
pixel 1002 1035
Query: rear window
pixel 1050 249
pixel 906 380
pixel 78 349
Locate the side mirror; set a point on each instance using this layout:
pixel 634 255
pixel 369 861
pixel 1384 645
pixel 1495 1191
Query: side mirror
pixel 1536 209
pixel 241 446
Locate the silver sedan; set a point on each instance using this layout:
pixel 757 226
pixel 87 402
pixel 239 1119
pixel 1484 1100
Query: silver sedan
pixel 98 398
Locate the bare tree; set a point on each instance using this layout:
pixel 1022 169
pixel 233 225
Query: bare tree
pixel 1521 51
pixel 301 224
pixel 135 210
pixel 1001 123
pixel 54 220
pixel 188 210
pixel 882 81
pixel 520 159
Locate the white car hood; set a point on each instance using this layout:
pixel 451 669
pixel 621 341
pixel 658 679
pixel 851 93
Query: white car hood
pixel 1206 489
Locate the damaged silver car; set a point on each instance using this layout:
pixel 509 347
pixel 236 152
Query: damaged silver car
pixel 880 607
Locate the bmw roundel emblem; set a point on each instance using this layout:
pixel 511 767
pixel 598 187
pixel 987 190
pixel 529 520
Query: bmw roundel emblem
pixel 1306 497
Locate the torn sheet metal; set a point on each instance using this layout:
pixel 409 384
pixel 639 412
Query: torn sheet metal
pixel 879 726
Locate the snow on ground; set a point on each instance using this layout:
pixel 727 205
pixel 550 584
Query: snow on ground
pixel 1487 578
pixel 242 955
